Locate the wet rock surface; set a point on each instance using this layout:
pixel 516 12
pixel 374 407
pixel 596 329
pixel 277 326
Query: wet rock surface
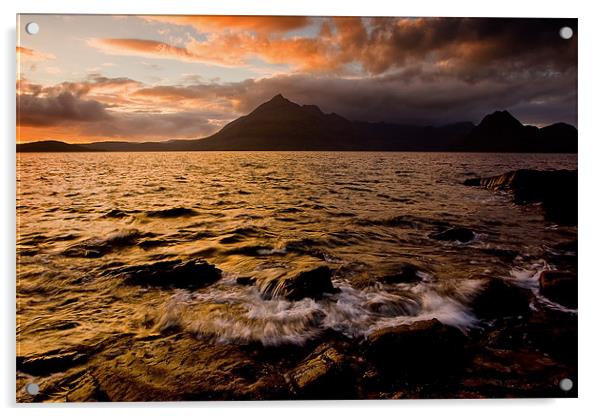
pixel 556 190
pixel 420 348
pixel 407 274
pixel 499 298
pixel 171 274
pixel 559 286
pixel 312 283
pixel 460 234
pixel 521 358
pixel 321 375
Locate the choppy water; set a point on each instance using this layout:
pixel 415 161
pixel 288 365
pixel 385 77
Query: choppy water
pixel 260 214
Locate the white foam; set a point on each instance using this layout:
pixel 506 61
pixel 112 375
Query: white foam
pixel 528 277
pixel 231 313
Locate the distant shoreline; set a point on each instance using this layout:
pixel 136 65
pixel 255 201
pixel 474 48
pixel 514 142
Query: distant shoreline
pixel 295 151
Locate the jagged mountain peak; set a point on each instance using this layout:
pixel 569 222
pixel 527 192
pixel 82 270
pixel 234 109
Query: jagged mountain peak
pixel 500 119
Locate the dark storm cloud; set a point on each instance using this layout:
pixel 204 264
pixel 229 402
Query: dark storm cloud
pixel 68 105
pixel 65 107
pixel 468 44
pixel 422 71
pixel 416 98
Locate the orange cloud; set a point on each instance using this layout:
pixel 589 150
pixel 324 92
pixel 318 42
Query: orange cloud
pixel 233 49
pixel 258 24
pixel 27 53
pixel 142 47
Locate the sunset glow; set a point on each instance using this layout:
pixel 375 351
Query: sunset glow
pixel 139 78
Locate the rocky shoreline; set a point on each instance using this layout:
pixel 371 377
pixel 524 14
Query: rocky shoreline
pixel 555 190
pixel 516 352
pixel 517 349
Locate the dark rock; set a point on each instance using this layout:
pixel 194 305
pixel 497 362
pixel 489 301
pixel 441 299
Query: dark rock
pixel 116 213
pixel 407 274
pixel 555 333
pixel 312 283
pixel 556 190
pixel 245 280
pixel 424 348
pixel 560 287
pixel 177 212
pixel 461 234
pixel 320 375
pixel 499 299
pixel 61 359
pixel 569 247
pixel 172 273
pixel 184 369
pixel 53 361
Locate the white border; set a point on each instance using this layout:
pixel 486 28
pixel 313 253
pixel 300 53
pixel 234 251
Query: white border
pixel 590 147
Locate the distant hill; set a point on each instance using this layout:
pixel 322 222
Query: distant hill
pixel 280 124
pixel 501 132
pixel 51 146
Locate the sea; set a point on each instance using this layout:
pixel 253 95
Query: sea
pixel 82 217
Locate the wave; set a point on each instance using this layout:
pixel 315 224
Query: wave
pixel 98 247
pixel 528 276
pixel 231 313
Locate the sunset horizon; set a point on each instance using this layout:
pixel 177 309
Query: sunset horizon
pixel 243 208
pixel 156 78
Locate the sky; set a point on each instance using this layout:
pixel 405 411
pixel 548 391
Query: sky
pixel 87 78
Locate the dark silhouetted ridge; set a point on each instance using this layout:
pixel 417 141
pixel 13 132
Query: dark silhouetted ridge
pixel 280 124
pixel 502 132
pixel 50 146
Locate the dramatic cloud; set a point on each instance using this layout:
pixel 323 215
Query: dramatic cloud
pixel 261 24
pixel 402 70
pixel 69 106
pixel 473 48
pixel 230 50
pixel 58 109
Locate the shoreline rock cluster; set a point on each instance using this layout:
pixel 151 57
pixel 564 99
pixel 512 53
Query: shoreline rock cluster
pixel 425 358
pixel 556 190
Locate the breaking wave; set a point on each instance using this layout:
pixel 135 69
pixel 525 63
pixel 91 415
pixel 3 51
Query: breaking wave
pixel 232 313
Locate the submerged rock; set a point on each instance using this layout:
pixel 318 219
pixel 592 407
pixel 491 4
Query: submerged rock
pixel 426 347
pixel 311 283
pixel 461 234
pixel 172 213
pixel 172 273
pixel 498 299
pixel 560 287
pixel 407 274
pixel 556 190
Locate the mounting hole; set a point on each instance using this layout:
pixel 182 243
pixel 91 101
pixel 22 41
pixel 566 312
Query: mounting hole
pixel 32 28
pixel 32 388
pixel 566 32
pixel 566 384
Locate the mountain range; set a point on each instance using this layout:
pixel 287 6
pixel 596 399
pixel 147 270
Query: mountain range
pixel 280 124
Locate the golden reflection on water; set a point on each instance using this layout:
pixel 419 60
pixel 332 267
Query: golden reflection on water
pixel 256 214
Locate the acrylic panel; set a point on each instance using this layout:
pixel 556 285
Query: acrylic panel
pixel 290 207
